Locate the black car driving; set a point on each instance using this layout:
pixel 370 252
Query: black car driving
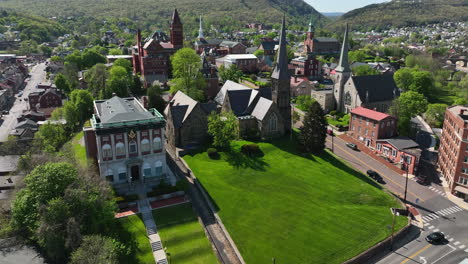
pixel 435 237
pixel 374 175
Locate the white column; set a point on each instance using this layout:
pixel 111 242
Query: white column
pixel 113 146
pixel 138 143
pixel 126 145
pixel 150 135
pixel 98 147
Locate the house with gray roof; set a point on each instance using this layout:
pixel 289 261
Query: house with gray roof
pixel 127 142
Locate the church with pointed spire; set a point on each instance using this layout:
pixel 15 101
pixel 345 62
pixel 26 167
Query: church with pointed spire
pixel 375 92
pixel 151 56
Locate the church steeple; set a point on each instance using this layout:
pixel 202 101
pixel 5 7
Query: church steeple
pixel 343 66
pixel 177 31
pixel 200 31
pixel 311 26
pixel 281 71
pixel 280 81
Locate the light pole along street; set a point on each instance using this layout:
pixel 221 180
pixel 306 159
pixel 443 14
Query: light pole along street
pixel 406 181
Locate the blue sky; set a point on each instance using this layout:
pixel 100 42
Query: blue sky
pixel 340 5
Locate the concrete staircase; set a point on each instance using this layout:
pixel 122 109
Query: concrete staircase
pixel 152 231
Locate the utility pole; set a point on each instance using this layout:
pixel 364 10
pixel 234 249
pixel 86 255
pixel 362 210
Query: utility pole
pixel 393 227
pixel 333 142
pixel 406 183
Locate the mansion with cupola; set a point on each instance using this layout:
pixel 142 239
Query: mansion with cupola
pixel 127 142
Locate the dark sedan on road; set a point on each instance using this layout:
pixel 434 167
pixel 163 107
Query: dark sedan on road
pixel 374 175
pixel 436 237
pixel 423 180
pixel 351 146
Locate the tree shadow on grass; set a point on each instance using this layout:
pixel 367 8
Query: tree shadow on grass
pixel 291 146
pixel 240 160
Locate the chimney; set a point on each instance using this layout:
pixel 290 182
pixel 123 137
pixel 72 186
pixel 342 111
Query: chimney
pixel 462 111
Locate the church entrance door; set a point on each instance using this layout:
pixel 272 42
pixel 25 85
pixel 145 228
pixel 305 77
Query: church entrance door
pixel 135 171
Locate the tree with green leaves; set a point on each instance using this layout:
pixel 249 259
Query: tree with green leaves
pixel 97 249
pixel 51 137
pixel 186 65
pixel 357 56
pixel 435 114
pixel 223 128
pixel 119 82
pixel 155 99
pixel 403 78
pixel 124 63
pixel 259 53
pixel 83 102
pixel 422 82
pixel 62 83
pixel 233 73
pixel 115 52
pixel 363 70
pixel 314 129
pixel 89 58
pixel 408 105
pixel 96 78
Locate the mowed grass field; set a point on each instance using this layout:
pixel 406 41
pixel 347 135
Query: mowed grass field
pixel 183 236
pixel 295 208
pixel 132 230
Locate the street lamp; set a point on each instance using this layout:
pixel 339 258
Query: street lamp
pixel 406 183
pixel 393 226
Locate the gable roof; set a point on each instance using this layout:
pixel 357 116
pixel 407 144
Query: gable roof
pixel 269 45
pixel 27 123
pixel 325 39
pixel 376 88
pixel 229 43
pixel 261 108
pixel 371 114
pixel 402 143
pixel 180 99
pixel 228 86
pixel 119 109
pixel 241 100
pixel 178 113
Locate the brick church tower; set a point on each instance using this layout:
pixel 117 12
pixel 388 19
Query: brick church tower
pixel 309 41
pixel 177 32
pixel 280 81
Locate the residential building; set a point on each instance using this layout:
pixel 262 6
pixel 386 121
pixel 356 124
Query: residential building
pixel 127 142
pixel 210 74
pixel 248 63
pixel 368 126
pixel 220 46
pixel 151 57
pixel 50 98
pixel 268 46
pixel 308 67
pixel 453 151
pixel 25 130
pixel 403 152
pixel 301 86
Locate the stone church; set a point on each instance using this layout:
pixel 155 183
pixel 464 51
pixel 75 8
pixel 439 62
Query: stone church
pixel 264 111
pixel 373 92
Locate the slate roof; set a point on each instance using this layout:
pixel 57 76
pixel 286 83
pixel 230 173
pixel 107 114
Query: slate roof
pixel 8 163
pixel 209 41
pixel 251 50
pixel 119 109
pixel 178 112
pixel 281 71
pixel 376 88
pixel 228 43
pixel 181 105
pixel 241 100
pixel 208 107
pixel 269 45
pixel 26 124
pixel 325 39
pixel 261 108
pixel 402 143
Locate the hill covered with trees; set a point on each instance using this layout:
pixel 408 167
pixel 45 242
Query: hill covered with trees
pixel 404 13
pixel 222 15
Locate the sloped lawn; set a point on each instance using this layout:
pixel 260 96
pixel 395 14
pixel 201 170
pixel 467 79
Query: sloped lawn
pixel 183 236
pixel 297 209
pixel 132 231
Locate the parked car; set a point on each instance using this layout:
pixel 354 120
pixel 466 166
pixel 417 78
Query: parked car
pixel 330 132
pixel 436 237
pixel 352 146
pixel 423 180
pixel 374 175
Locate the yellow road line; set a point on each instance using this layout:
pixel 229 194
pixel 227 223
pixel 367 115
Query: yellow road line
pixel 383 175
pixel 415 254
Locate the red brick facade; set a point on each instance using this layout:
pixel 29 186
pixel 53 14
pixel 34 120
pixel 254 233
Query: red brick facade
pixel 396 155
pixel 453 151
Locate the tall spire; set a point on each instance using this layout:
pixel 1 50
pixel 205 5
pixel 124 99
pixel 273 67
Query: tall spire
pixel 311 26
pixel 200 31
pixel 175 18
pixel 281 71
pixel 343 66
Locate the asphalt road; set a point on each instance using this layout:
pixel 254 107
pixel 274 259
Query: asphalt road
pixel 9 121
pixel 439 213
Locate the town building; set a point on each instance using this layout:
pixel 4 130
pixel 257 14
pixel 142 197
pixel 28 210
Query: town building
pixel 45 101
pixel 268 45
pixel 319 45
pixel 219 46
pixel 453 151
pixel 151 57
pixel 325 98
pixel 307 67
pixel 301 86
pixel 402 152
pixel 210 74
pixel 368 126
pixel 247 63
pixel 24 130
pixel 127 142
pixel 371 91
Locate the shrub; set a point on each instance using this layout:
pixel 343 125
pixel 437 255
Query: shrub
pixel 333 113
pixel 162 188
pixel 131 197
pixel 213 153
pixel 119 199
pixel 253 77
pixel 182 185
pixel 251 149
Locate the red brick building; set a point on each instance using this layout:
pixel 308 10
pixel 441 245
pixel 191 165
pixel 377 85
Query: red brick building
pixel 151 57
pixel 401 151
pixel 453 151
pixel 307 66
pixel 50 98
pixel 368 126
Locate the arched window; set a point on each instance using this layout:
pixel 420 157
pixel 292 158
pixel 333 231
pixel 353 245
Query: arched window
pixel 158 168
pixel 106 151
pixel 147 169
pixel 119 149
pixel 122 174
pixel 273 123
pixel 145 146
pixel 157 146
pixel 109 175
pixel 347 99
pixel 132 146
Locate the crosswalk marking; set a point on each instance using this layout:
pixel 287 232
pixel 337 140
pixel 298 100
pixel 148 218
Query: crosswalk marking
pixel 442 212
pixel 461 247
pixel 456 243
pixel 436 230
pixel 431 227
pixel 451 239
pixel 466 250
pixel 426 224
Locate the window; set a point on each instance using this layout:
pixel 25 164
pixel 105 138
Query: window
pixel 132 147
pixel 373 134
pixel 367 122
pixel 466 158
pixel 119 149
pixel 347 99
pixel 464 170
pixel 394 152
pixel 388 123
pixel 106 151
pixel 360 119
pixel 373 125
pixel 157 146
pixel 122 174
pixel 379 146
pixel 158 167
pixel 109 175
pixel 145 146
pixel 359 129
pixel 273 123
pixel 146 170
pixel 463 181
pixel 408 159
pixel 366 131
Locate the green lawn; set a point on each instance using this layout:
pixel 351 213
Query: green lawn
pixel 343 121
pixel 298 209
pixel 183 236
pixel 132 230
pixel 79 150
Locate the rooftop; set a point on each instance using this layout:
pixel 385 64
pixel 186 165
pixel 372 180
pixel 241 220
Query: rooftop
pixel 460 111
pixel 371 114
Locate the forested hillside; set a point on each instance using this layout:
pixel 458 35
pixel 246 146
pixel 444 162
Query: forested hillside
pixel 380 16
pixel 222 14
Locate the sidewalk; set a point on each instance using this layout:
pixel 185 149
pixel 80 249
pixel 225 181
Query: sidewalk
pixel 152 231
pixel 456 200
